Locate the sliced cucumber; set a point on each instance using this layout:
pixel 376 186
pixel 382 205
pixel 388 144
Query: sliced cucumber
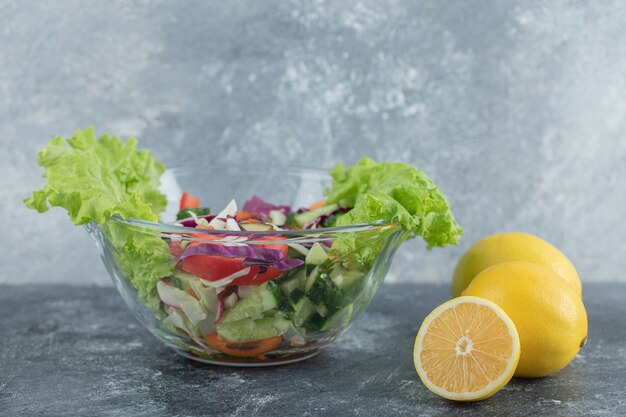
pixel 256 226
pixel 248 330
pixel 256 302
pixel 320 323
pixel 284 306
pixel 317 255
pixel 311 276
pixel 302 218
pixel 339 319
pixel 344 278
pixel 322 290
pixel 288 287
pixel 297 250
pixel 292 282
pixel 176 282
pixel 293 253
pixel 277 217
pixel 180 279
pixel 303 309
pixel 296 295
pixel 321 309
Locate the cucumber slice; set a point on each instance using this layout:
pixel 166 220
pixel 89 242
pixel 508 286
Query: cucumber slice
pixel 344 278
pixel 339 319
pixel 296 295
pixel 311 277
pixel 322 290
pixel 289 286
pixel 284 306
pixel 181 279
pixel 293 253
pixel 277 217
pixel 258 301
pixel 303 309
pixel 246 330
pixel 302 218
pixel 177 283
pixel 256 226
pixel 292 282
pixel 321 309
pixel 317 255
pixel 319 323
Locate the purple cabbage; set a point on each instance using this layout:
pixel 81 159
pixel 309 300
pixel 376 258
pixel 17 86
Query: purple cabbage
pixel 190 222
pixel 253 255
pixel 256 205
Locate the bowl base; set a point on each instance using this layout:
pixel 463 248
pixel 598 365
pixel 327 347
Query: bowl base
pixel 248 362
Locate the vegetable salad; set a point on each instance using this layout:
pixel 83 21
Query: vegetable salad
pixel 241 294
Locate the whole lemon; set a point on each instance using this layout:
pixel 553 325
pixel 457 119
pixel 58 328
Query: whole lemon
pixel 549 315
pixel 512 246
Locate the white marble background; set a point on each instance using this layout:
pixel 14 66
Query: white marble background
pixel 516 109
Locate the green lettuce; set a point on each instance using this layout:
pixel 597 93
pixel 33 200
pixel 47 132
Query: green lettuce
pixel 96 179
pixel 389 192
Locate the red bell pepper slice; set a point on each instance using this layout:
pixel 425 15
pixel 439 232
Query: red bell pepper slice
pixel 189 201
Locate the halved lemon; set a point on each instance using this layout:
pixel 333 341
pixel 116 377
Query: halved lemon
pixel 467 349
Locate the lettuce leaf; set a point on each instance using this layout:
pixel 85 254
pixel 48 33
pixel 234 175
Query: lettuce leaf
pixel 95 179
pixel 388 192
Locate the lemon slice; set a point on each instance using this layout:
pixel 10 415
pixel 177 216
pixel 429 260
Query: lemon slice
pixel 467 349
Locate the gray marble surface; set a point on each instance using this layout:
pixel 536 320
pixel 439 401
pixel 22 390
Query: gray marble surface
pixel 515 108
pixel 69 351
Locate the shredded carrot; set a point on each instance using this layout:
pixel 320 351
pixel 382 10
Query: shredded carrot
pixel 243 349
pixel 251 221
pixel 245 215
pixel 317 205
pixel 201 226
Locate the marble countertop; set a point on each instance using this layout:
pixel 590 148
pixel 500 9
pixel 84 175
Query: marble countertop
pixel 69 350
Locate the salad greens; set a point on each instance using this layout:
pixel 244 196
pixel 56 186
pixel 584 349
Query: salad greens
pixel 96 179
pixel 223 290
pixel 389 191
pixel 198 211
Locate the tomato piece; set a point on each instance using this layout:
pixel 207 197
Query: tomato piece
pixel 257 279
pixel 214 268
pixel 189 201
pixel 270 273
pixel 243 349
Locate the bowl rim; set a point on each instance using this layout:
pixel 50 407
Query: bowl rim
pixel 179 229
pixel 310 171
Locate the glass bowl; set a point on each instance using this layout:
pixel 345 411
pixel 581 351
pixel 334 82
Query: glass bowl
pixel 265 316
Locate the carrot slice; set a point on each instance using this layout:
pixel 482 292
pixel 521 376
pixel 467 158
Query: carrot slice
pixel 245 215
pixel 317 205
pixel 203 236
pixel 243 349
